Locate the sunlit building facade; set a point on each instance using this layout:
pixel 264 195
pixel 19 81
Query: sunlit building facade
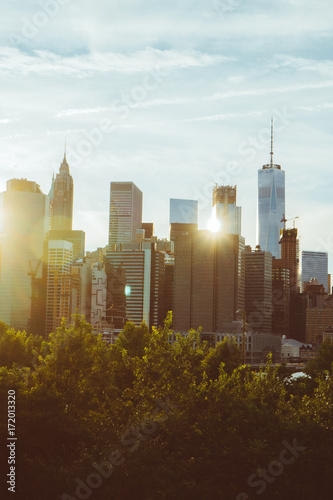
pixel 24 222
pixel 225 209
pixel 62 295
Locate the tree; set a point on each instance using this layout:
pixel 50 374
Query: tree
pixel 323 361
pixel 226 352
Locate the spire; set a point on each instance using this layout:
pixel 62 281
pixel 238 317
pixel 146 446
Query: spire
pixel 64 167
pixel 271 142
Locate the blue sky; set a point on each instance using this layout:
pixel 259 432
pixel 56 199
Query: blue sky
pixel 174 96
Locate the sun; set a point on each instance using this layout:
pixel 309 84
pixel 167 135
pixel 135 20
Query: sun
pixel 214 225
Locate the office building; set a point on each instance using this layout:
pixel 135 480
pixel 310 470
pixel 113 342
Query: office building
pixel 75 237
pixel 225 209
pixel 98 295
pixel 23 225
pixel 290 255
pixel 149 229
pixel 125 213
pixel 280 298
pixel 62 294
pixel 258 290
pixel 142 269
pixel 314 265
pixel 82 268
pixel 183 211
pixel 61 199
pixel 208 278
pixel 271 205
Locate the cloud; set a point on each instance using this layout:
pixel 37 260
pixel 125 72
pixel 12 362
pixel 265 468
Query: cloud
pixel 317 107
pixel 43 62
pixel 324 68
pixel 224 116
pixel 6 120
pixel 269 90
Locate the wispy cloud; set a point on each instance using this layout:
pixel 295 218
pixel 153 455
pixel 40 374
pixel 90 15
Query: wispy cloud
pixel 42 62
pixel 223 116
pixel 317 107
pixel 269 90
pixel 324 68
pixel 144 104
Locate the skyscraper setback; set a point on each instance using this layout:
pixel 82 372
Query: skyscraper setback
pixel 271 205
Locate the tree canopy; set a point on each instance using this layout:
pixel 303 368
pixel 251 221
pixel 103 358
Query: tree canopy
pixel 148 419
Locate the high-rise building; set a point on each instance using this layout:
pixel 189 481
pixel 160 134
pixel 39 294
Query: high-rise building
pixel 82 268
pixel 62 295
pixel 183 211
pixel 142 268
pixel 98 295
pixel 290 255
pixel 225 209
pixel 61 199
pixel 23 225
pixel 258 290
pixel 271 205
pixel 208 278
pixel 75 237
pixel 125 213
pixel 314 265
pixel 280 298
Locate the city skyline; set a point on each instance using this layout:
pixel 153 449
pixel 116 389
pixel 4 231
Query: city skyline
pixel 191 105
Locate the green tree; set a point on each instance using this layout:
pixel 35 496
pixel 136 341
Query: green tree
pixel 323 361
pixel 226 352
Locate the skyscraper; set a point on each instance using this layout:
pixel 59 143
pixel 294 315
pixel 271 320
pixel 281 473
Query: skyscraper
pixel 289 254
pixel 271 205
pixel 23 225
pixel 61 199
pixel 62 293
pixel 208 278
pixel 314 265
pixel 258 289
pixel 226 211
pixel 125 212
pixel 142 268
pixel 183 211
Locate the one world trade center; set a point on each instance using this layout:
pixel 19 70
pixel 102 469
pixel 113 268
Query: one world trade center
pixel 271 205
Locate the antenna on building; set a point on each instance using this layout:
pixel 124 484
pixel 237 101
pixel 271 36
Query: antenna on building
pixel 65 147
pixel 271 142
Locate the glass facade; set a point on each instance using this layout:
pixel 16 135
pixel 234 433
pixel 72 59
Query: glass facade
pixel 183 211
pixel 271 208
pixel 315 265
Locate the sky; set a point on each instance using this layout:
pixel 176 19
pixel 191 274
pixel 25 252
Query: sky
pixel 175 96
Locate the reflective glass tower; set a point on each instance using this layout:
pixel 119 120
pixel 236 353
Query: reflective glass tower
pixel 271 205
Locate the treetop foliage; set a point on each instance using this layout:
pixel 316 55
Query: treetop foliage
pixel 180 420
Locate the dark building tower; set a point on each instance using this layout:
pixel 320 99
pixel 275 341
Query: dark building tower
pixel 258 289
pixel 61 199
pixel 289 254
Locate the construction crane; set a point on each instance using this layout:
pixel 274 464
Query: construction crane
pixel 284 220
